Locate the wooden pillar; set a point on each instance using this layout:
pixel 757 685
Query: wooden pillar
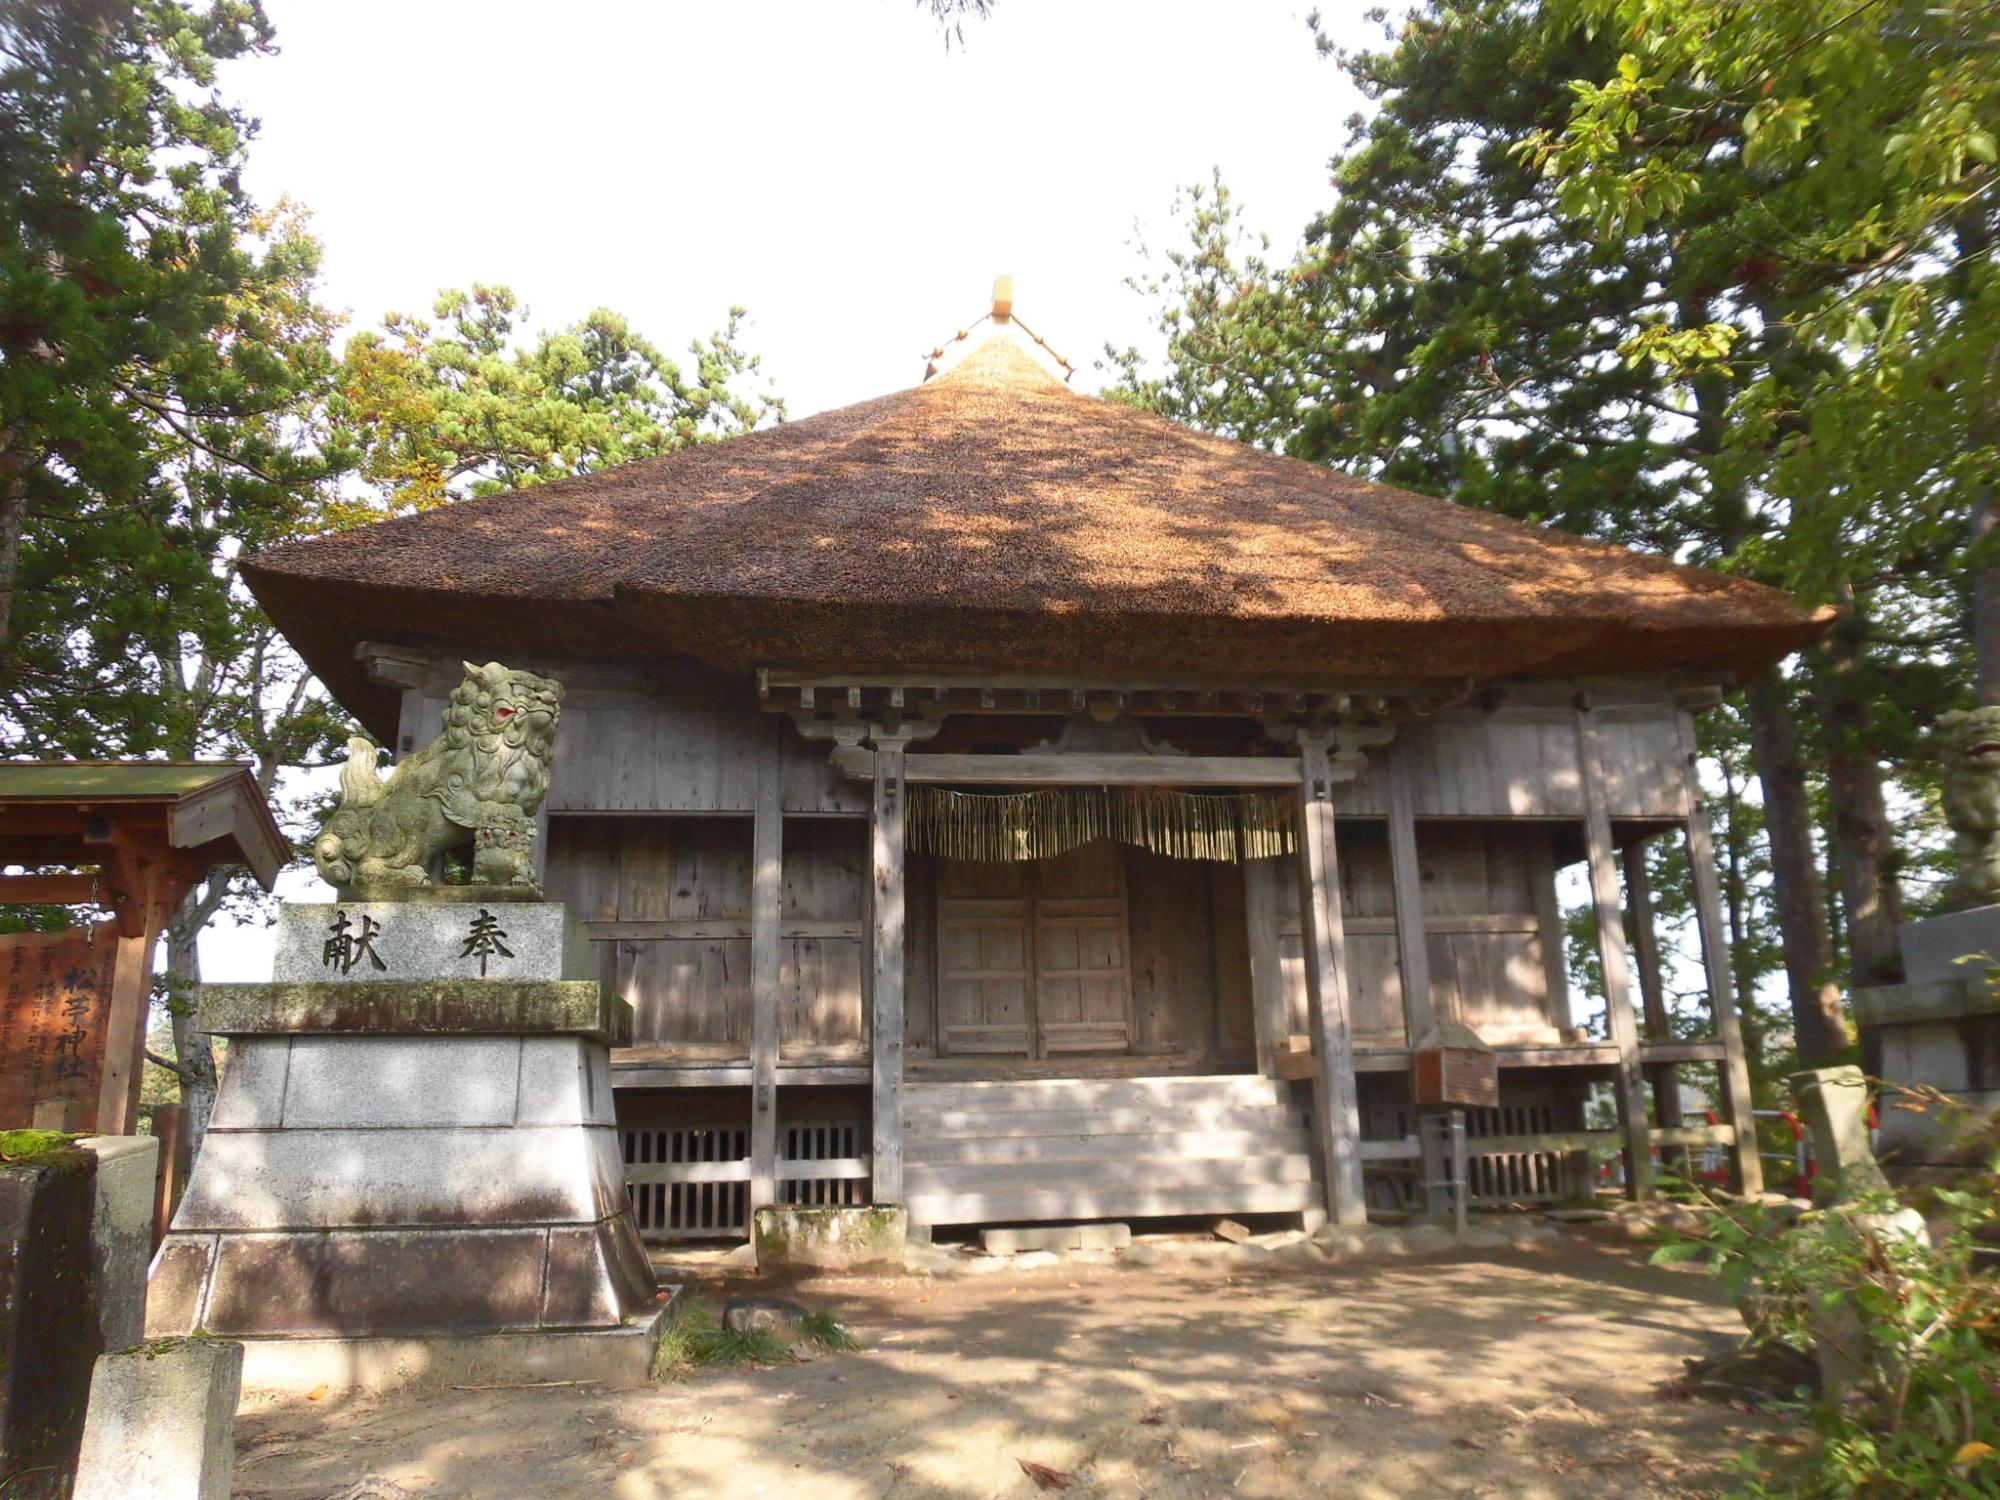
pixel 143 895
pixel 1737 1108
pixel 1413 957
pixel 767 886
pixel 1336 1101
pixel 886 968
pixel 1612 957
pixel 1270 1012
pixel 1664 1077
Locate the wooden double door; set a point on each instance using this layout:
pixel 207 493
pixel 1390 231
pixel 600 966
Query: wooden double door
pixel 1034 958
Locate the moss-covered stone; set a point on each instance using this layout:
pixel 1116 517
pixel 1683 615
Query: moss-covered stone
pixel 43 1148
pixel 829 1239
pixel 419 1007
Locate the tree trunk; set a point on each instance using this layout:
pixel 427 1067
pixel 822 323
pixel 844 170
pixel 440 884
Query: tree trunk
pixel 1864 842
pixel 1819 1028
pixel 193 1050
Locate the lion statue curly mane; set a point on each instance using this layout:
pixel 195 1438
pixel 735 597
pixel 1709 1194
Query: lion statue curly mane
pixel 480 783
pixel 1972 803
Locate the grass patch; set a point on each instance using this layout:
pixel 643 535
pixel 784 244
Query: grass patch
pixel 827 1332
pixel 696 1338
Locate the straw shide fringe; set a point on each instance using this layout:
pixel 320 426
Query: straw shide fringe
pixel 1003 826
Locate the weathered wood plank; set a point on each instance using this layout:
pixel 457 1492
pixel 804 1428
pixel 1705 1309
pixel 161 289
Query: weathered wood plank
pixel 1152 1120
pixel 1191 1145
pixel 1082 769
pixel 1155 1170
pixel 1736 1101
pixel 767 885
pixel 1611 952
pixel 1336 1108
pixel 1089 1093
pixel 886 913
pixel 1112 1203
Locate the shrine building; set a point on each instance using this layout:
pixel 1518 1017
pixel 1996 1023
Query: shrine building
pixel 1018 807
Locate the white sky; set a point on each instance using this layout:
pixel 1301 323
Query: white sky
pixel 828 164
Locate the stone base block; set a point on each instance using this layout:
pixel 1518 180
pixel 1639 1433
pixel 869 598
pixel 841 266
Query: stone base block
pixel 479 938
pixel 121 1233
pixel 830 1239
pixel 614 1359
pixel 1056 1237
pixel 48 1319
pixel 1933 946
pixel 162 1422
pixel 390 1282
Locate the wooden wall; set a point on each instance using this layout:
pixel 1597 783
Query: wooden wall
pixel 668 903
pixel 629 752
pixel 1521 763
pixel 1492 932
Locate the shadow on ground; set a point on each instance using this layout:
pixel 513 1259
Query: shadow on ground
pixel 1525 1375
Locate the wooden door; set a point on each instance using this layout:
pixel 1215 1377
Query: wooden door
pixel 1083 984
pixel 984 966
pixel 1032 958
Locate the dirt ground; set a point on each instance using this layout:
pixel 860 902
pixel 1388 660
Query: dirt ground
pixel 1521 1374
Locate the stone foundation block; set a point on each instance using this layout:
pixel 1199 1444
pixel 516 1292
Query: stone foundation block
pixel 162 1422
pixel 1056 1237
pixel 830 1239
pixel 48 1320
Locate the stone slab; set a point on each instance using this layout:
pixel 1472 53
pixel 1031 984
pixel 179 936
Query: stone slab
pixel 322 1179
pixel 829 1239
pixel 121 1233
pixel 162 1422
pixel 613 1359
pixel 358 942
pixel 416 1007
pixel 1930 1000
pixel 1933 945
pixel 1056 1237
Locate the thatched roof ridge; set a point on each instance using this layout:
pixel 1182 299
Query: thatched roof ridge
pixel 995 519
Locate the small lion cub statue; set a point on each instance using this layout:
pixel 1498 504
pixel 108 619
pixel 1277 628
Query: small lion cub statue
pixel 480 783
pixel 1972 804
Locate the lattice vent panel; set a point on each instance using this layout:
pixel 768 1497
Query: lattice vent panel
pixel 823 1164
pixel 688 1181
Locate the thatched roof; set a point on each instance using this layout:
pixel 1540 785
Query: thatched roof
pixel 993 519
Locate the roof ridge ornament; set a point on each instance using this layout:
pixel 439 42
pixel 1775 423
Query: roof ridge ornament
pixel 1000 313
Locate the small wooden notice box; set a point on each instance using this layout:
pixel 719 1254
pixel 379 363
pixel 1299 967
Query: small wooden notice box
pixel 1456 1069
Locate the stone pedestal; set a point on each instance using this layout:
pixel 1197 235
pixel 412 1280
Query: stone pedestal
pixel 400 1155
pixel 162 1422
pixel 1940 1028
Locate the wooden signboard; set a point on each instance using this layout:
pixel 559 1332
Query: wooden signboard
pixel 54 1009
pixel 1462 1077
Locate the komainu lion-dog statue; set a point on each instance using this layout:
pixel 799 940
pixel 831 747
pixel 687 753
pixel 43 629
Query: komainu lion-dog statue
pixel 480 783
pixel 1972 803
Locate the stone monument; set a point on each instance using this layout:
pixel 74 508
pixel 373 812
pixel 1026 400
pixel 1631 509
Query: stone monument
pixel 1940 1028
pixel 413 1168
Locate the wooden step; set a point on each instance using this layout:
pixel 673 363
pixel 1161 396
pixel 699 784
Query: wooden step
pixel 1234 1090
pixel 1187 1145
pixel 1074 1176
pixel 997 1124
pixel 1131 1201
